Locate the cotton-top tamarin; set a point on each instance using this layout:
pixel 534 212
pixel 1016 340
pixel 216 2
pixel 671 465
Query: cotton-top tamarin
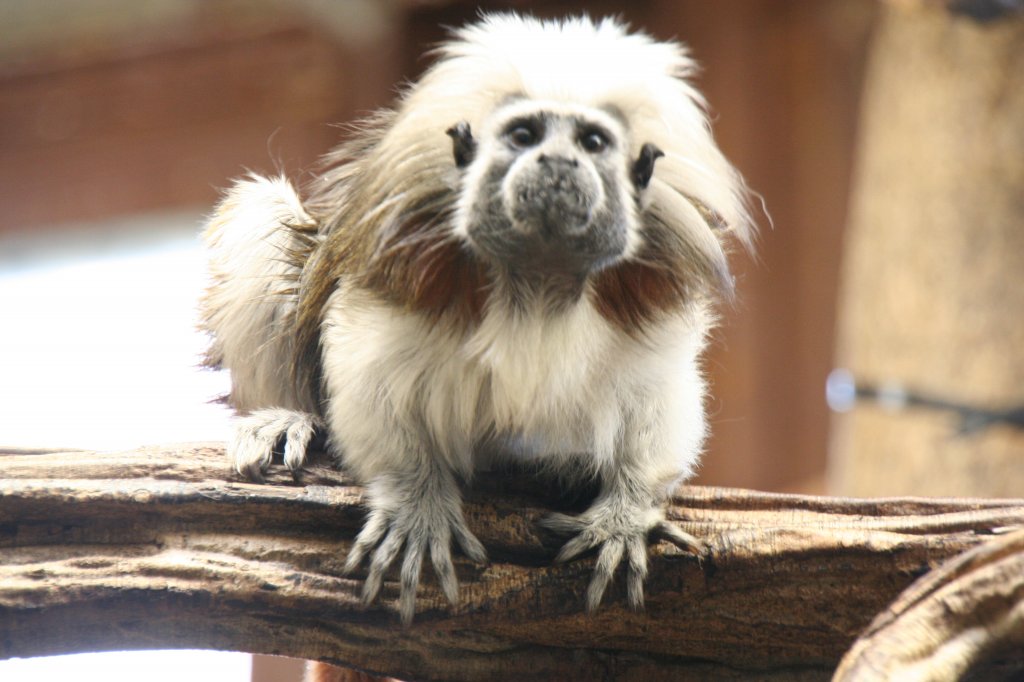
pixel 518 261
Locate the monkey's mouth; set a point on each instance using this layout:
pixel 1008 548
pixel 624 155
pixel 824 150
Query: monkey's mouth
pixel 550 217
pixel 552 228
pixel 551 211
pixel 559 222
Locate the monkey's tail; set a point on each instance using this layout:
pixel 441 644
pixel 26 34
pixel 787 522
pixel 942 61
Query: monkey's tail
pixel 258 239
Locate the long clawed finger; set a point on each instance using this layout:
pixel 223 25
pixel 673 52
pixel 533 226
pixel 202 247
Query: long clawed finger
pixel 441 557
pixel 578 545
pixel 469 544
pixel 636 572
pixel 383 542
pixel 562 524
pixel 612 551
pixel 411 567
pixel 382 559
pixel 296 445
pixel 252 457
pixel 253 472
pixel 665 530
pixel 607 560
pixel 371 534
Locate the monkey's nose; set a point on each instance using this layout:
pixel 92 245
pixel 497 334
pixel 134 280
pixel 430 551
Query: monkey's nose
pixel 556 161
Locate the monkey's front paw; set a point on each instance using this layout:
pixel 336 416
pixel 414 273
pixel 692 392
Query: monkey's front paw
pixel 617 531
pixel 420 520
pixel 258 433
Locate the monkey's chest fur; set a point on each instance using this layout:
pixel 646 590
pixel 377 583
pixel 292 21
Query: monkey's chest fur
pixel 551 386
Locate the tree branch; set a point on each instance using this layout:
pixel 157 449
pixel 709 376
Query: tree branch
pixel 967 613
pixel 161 547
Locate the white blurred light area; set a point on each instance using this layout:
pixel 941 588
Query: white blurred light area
pixel 98 340
pixel 99 350
pixel 131 666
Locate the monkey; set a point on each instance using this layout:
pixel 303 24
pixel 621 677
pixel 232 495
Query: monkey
pixel 519 261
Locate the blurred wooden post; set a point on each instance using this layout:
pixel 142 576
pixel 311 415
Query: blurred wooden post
pixel 933 282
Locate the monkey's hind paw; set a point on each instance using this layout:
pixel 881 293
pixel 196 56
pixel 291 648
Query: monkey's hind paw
pixel 427 524
pixel 258 433
pixel 617 536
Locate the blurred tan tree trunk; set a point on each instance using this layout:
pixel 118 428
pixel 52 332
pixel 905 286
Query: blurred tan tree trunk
pixel 933 280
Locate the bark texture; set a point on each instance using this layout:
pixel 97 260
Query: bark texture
pixel 952 622
pixel 160 547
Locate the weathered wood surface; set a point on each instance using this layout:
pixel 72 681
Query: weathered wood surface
pixel 967 612
pixel 161 547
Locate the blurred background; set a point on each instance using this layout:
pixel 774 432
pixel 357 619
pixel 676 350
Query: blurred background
pixel 120 122
pixel 885 138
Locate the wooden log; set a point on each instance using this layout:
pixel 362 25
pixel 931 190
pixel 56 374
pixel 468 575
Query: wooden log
pixel 161 548
pixel 971 610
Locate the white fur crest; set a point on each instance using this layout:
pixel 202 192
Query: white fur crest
pixel 589 63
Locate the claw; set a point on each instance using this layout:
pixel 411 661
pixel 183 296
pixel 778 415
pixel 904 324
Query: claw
pixel 252 447
pixel 371 534
pixel 411 567
pixel 618 538
pixel 382 559
pixel 636 556
pixel 469 544
pixel 665 530
pixel 607 560
pixel 578 545
pixel 445 570
pixel 412 530
pixel 251 454
pixel 296 444
pixel 562 524
pixel 253 472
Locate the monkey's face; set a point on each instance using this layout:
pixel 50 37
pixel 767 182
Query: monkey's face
pixel 549 188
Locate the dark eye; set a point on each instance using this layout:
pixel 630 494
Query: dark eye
pixel 594 141
pixel 522 136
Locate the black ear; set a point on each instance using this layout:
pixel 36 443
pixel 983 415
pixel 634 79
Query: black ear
pixel 643 167
pixel 463 143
